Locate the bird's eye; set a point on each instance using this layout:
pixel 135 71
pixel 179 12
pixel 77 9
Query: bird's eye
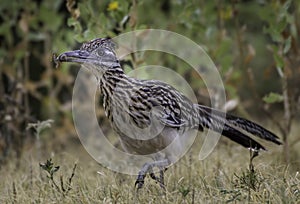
pixel 100 52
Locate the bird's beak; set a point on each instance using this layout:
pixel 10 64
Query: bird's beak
pixel 79 56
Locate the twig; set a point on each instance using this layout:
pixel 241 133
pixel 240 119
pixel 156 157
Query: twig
pixel 71 177
pixel 14 192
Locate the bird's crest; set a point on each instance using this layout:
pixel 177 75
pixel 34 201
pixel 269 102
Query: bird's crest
pixel 98 42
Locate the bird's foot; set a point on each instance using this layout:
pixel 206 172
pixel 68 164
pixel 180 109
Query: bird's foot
pixel 139 183
pixel 148 169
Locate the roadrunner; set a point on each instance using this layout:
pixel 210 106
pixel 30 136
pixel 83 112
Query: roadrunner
pixel 130 102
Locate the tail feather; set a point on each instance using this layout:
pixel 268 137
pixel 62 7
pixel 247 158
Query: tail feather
pixel 227 125
pixel 245 124
pixel 240 138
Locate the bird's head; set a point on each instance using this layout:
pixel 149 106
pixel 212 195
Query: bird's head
pixel 98 54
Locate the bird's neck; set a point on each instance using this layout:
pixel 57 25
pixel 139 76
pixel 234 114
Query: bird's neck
pixel 111 79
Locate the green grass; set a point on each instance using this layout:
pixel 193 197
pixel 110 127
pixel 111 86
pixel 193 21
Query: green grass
pixel 223 177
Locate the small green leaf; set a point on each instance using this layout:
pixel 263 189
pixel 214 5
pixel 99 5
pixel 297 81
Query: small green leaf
pixel 76 24
pixel 273 98
pixel 278 60
pixel 287 45
pixel 281 25
pixel 184 190
pixel 287 5
pixel 54 169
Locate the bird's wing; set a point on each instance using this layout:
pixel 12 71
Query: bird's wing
pixel 153 102
pixel 171 119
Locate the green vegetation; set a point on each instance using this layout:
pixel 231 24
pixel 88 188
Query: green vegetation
pixel 255 45
pixel 224 177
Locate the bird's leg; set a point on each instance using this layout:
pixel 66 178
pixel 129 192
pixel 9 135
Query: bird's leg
pixel 148 168
pixel 142 173
pixel 161 178
pixel 152 175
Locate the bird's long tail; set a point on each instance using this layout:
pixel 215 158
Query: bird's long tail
pixel 234 127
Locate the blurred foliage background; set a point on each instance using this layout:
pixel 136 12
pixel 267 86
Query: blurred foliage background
pixel 255 45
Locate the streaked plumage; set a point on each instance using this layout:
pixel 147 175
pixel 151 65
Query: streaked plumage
pixel 139 102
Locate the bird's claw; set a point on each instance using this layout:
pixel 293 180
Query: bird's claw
pixel 139 183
